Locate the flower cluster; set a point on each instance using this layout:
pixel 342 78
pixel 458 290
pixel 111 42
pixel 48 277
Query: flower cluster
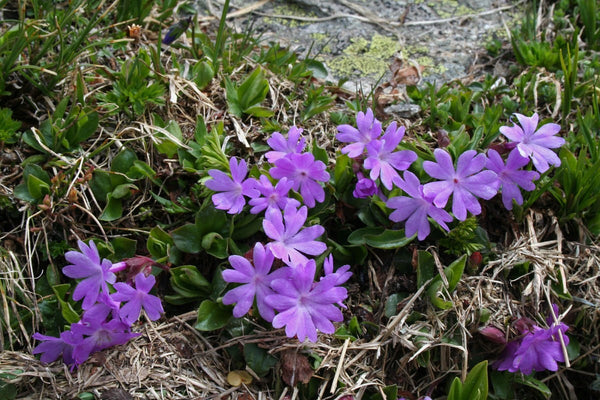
pixel 290 167
pixel 537 349
pixel 475 175
pixel 108 315
pixel 303 305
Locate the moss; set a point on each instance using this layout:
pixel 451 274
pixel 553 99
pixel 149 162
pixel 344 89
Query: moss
pixel 366 57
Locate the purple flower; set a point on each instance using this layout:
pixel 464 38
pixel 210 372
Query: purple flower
pixel 539 349
pixel 384 161
pixel 52 347
pixel 138 298
pixel 341 275
pixel 272 197
pixel 99 336
pixel 416 209
pixel 233 189
pixel 281 147
pixel 289 242
pixel 365 187
pixel 511 176
pixel 369 129
pixel 304 305
pixel 256 280
pixel 95 274
pixel 465 184
pixel 535 144
pixel 305 172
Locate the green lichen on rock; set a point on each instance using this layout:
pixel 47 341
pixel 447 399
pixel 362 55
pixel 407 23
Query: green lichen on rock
pixel 291 10
pixel 450 8
pixel 366 57
pixel 322 40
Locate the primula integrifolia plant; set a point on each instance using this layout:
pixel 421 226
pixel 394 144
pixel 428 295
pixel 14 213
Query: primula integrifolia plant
pixel 304 305
pixel 292 170
pixel 293 181
pixel 474 177
pixel 537 349
pixel 105 322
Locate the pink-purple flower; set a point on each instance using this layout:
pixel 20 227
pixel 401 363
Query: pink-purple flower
pixel 255 278
pixel 95 274
pixel 533 142
pixel 52 347
pixel 99 335
pixel 511 176
pixel 369 129
pixel 365 187
pixel 416 209
pixel 290 241
pixel 272 196
pixel 281 146
pixel 538 349
pixel 232 189
pixel 305 306
pixel 465 184
pixel 384 161
pixel 137 298
pixel 305 173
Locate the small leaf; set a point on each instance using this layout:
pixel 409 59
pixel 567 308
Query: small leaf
pixel 113 209
pixel 187 238
pixel 123 161
pixel 258 359
pixel 212 316
pixel 475 386
pixel 530 381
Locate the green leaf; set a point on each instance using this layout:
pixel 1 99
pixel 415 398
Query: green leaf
pixel 37 188
pixel 530 381
pixel 123 161
pixel 158 243
pixel 342 174
pixel 258 111
pixel 219 248
pixel 475 386
pixel 454 272
pixel 113 209
pixel 123 247
pixel 316 67
pixel 86 126
pixel 212 316
pixel 258 359
pixel 188 238
pixel 123 191
pixel 374 237
pixel 391 304
pixel 320 153
pixel 455 390
pixel 425 267
pixel 67 311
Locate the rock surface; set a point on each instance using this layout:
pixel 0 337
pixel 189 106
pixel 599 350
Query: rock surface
pixel 357 40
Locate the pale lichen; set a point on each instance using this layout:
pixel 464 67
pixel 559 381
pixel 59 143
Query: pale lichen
pixel 366 57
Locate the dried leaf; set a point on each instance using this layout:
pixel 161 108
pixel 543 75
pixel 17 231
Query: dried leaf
pixel 295 368
pixel 237 377
pixel 403 74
